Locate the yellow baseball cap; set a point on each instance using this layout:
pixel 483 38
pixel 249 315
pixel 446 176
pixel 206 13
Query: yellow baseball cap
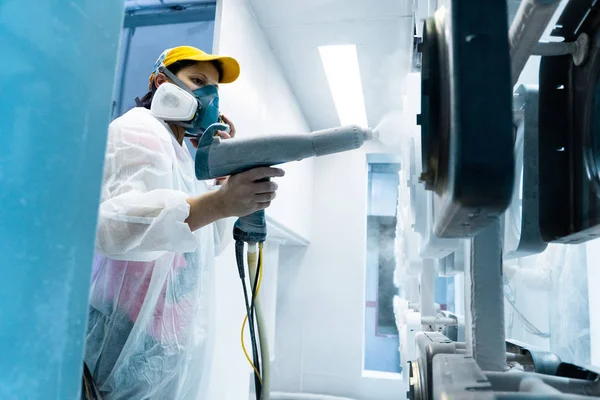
pixel 230 67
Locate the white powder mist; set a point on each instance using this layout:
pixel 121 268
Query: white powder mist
pixel 396 128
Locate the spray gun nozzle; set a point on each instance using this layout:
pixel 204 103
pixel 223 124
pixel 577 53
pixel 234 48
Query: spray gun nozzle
pixel 368 134
pixel 371 134
pixel 375 133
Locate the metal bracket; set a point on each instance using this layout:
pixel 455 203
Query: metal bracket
pixel 169 14
pixel 525 239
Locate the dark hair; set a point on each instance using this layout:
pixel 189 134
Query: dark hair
pixel 146 101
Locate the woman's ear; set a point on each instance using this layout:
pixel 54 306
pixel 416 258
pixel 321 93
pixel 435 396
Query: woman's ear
pixel 160 79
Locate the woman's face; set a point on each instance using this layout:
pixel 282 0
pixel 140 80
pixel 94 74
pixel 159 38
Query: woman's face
pixel 199 75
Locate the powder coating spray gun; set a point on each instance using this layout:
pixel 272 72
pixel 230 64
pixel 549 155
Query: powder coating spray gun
pixel 217 158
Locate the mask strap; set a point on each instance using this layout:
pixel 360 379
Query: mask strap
pixel 175 80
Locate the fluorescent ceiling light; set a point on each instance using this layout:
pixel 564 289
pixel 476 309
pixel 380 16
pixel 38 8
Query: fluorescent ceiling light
pixel 343 74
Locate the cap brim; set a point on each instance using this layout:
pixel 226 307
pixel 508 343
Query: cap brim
pixel 229 65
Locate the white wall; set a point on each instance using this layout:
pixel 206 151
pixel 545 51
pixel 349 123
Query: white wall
pixel 319 328
pixel 320 314
pixel 259 102
pixel 593 253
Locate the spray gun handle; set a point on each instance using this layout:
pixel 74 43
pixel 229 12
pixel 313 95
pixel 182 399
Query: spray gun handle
pixel 251 228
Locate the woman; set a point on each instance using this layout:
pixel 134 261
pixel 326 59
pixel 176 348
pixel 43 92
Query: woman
pixel 159 231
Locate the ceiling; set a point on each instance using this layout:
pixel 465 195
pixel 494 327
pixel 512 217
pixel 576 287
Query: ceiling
pixel 382 31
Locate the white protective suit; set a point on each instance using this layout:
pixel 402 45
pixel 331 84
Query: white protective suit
pixel 149 328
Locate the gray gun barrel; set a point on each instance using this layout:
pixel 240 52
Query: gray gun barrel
pixel 226 157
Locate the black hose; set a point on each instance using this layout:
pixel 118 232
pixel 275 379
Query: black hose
pixel 239 255
pixel 253 309
pixel 254 286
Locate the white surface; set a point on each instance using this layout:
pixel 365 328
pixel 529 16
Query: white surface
pixel 423 9
pixel 402 132
pixel 382 31
pixel 268 291
pixel 260 102
pixel 230 375
pixel 343 75
pixel 593 274
pixel 408 322
pixel 320 314
pixel 432 245
pixel 484 325
pixel 384 193
pixel 551 291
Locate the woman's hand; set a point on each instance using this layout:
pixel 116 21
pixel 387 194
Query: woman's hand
pixel 242 194
pixel 221 134
pixel 231 127
pixel 239 196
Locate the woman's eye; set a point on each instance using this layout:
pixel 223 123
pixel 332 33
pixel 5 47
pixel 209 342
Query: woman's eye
pixel 197 81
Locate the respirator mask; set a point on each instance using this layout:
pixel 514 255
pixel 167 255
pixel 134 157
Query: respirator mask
pixel 194 110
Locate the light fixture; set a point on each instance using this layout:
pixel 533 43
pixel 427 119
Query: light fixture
pixel 343 74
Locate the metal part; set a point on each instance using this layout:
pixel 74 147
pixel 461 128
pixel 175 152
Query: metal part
pixel 484 297
pixel 417 388
pixel 526 30
pixel 443 372
pixel 459 377
pixel 456 330
pixel 429 345
pixel 569 25
pixel 467 145
pixel 579 49
pixel 522 228
pixel 437 321
pixel 126 37
pixel 451 265
pixel 431 245
pixel 540 361
pixel 427 286
pixel 477 369
pixel 512 382
pixel 536 396
pixel 169 14
pixel 570 152
pixel 569 370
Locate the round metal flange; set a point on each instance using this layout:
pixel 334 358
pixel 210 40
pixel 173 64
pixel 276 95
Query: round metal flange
pixel 435 101
pixel 417 385
pixel 466 116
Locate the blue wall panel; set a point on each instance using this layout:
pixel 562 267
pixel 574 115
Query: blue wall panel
pixel 58 66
